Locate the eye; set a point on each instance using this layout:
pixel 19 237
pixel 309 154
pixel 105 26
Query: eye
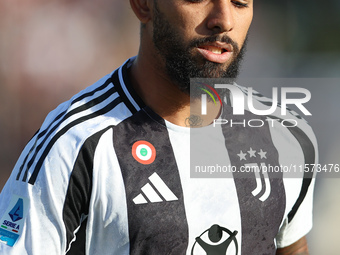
pixel 239 4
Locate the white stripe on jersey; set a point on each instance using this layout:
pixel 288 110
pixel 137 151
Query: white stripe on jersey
pixel 127 93
pixel 196 190
pixel 108 231
pixel 162 188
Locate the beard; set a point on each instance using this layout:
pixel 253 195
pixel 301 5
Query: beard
pixel 181 64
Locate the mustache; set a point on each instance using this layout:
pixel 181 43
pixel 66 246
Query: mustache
pixel 217 38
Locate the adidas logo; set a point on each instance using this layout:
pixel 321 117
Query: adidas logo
pixel 155 193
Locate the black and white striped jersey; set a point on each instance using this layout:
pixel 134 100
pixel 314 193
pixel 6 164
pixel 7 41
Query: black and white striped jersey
pixel 106 175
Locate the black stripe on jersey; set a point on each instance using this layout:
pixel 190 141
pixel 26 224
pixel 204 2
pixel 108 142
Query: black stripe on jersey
pixel 309 154
pixel 129 105
pixel 124 76
pixel 42 133
pixel 77 199
pixel 39 135
pixel 107 83
pixel 128 85
pixel 260 219
pixel 310 158
pixel 79 109
pixel 159 227
pixel 78 247
pixel 102 111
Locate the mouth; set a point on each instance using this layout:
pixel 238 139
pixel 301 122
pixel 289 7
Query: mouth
pixel 216 49
pixel 216 52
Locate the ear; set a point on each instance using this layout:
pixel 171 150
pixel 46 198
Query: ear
pixel 142 10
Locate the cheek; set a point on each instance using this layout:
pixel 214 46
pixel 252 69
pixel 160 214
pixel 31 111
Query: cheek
pixel 187 25
pixel 185 19
pixel 242 28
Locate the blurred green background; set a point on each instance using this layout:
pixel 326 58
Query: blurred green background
pixel 50 49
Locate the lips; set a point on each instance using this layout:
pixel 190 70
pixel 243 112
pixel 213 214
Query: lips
pixel 216 52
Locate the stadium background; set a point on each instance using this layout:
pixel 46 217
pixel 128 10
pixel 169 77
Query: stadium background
pixel 49 50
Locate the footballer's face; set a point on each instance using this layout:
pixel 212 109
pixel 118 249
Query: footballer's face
pixel 200 38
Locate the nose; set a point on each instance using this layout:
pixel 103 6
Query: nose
pixel 221 17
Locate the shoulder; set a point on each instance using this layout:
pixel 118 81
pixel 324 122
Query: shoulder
pixel 290 133
pixel 65 130
pixel 284 120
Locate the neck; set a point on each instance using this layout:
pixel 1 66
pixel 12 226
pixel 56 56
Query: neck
pixel 159 93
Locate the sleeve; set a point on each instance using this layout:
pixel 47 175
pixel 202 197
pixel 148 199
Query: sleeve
pixel 298 223
pixel 41 208
pixel 299 220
